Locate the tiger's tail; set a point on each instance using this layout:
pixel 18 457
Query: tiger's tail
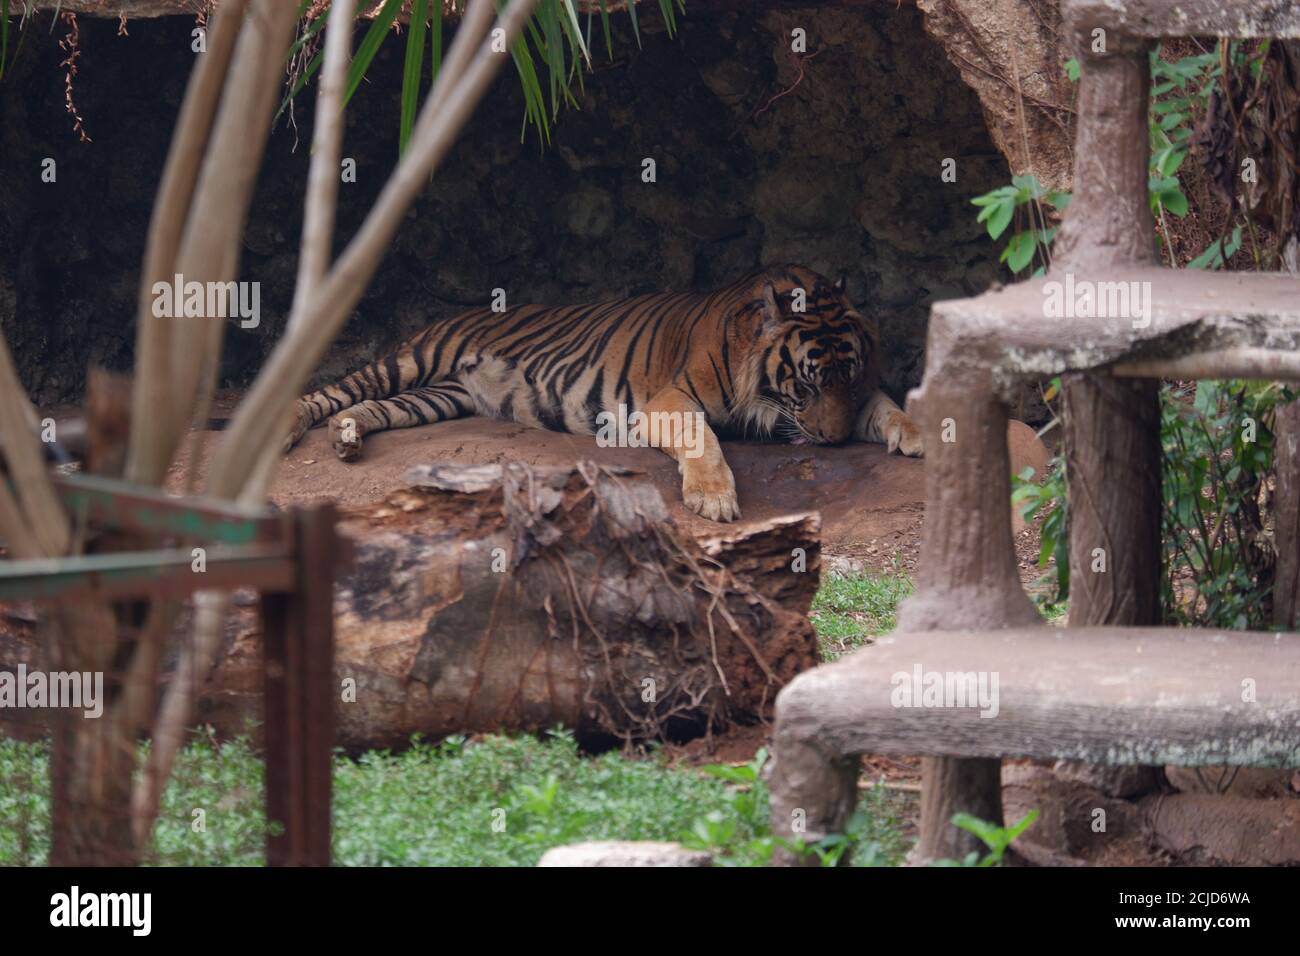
pixel 378 380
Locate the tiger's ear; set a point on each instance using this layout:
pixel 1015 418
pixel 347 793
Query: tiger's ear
pixel 771 311
pixel 841 282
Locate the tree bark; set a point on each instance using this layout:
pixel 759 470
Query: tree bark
pixel 1112 451
pixel 92 758
pixel 506 598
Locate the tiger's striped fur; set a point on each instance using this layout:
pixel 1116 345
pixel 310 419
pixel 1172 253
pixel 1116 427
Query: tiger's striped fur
pixel 744 356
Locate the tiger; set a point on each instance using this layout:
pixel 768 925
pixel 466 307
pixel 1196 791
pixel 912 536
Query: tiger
pixel 779 354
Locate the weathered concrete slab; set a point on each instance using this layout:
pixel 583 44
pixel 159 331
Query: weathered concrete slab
pixel 1157 19
pixel 1101 695
pixel 624 853
pixel 1014 335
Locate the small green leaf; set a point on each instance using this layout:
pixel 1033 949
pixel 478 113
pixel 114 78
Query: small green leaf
pixel 1025 823
pixel 1028 186
pixel 1059 200
pixel 1175 202
pixel 1020 251
pixel 988 833
pixel 1000 218
pixel 1172 160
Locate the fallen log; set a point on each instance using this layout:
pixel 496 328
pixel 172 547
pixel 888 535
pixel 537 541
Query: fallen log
pixel 514 598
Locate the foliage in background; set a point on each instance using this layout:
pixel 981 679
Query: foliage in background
pixel 1218 456
pixel 1215 471
pixel 1047 498
pixel 1217 557
pixel 1182 91
pixel 556 36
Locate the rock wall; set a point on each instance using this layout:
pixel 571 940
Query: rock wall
pixel 841 172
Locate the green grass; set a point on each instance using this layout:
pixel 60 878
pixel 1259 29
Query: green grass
pixel 492 802
pixel 849 610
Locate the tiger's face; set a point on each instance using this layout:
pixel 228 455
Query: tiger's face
pixel 817 359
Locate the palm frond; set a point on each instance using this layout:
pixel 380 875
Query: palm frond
pixel 554 37
pixel 411 71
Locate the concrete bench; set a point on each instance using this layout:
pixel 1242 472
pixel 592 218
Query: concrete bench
pixel 1113 696
pixel 1100 695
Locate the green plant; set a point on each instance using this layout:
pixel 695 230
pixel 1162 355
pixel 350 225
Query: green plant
pixel 997 839
pixel 741 835
pixel 1022 203
pixel 1218 454
pixel 4 35
pixel 1180 92
pixel 1047 497
pixel 553 35
pixel 1217 459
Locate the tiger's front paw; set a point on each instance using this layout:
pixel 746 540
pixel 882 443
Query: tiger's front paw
pixel 710 492
pixel 345 437
pixel 902 435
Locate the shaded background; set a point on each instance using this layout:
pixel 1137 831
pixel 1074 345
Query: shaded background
pixel 841 173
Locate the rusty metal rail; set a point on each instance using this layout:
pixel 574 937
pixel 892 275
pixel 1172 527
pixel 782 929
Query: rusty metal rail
pixel 289 557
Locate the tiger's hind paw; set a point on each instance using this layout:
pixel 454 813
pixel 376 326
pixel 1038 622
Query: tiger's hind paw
pixel 345 438
pixel 301 425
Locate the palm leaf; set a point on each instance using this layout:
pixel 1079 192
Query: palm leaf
pixel 670 18
pixel 553 50
pixel 534 100
pixel 411 71
pixel 370 45
pixel 575 32
pixel 435 39
pixel 553 33
pixel 636 30
pixel 604 25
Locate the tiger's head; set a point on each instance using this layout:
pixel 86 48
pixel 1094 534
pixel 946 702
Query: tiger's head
pixel 814 357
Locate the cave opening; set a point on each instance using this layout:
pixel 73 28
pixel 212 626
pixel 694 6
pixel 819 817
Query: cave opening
pixel 829 158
